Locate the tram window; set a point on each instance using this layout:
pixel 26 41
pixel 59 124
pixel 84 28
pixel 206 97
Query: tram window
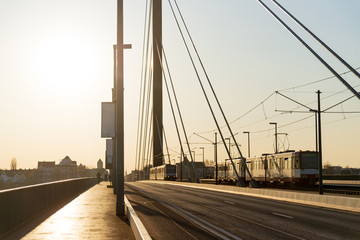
pixel 297 164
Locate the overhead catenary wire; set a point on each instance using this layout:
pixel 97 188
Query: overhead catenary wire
pixel 337 104
pixel 317 81
pixel 311 50
pixel 318 39
pixel 278 91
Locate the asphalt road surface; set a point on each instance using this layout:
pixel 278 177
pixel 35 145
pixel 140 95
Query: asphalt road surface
pixel 178 212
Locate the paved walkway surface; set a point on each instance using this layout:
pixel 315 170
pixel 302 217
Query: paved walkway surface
pixel 89 216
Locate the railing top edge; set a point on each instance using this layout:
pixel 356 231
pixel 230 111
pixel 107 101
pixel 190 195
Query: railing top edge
pixel 43 184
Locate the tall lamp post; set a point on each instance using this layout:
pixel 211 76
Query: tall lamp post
pixel 248 133
pixel 203 155
pixel 276 145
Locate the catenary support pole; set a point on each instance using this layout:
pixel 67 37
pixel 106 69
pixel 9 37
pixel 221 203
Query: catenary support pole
pixel 215 157
pixel 248 133
pixel 320 148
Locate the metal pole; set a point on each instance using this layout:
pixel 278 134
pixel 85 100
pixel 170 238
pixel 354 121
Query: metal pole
pixel 194 155
pixel 229 155
pixel 276 145
pixel 316 133
pixel 114 160
pixel 203 153
pixel 248 133
pixel 157 84
pixel 120 206
pixel 215 157
pixel 276 136
pixel 320 148
pixel 181 167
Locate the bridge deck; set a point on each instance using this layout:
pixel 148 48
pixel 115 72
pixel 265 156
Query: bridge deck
pixel 89 216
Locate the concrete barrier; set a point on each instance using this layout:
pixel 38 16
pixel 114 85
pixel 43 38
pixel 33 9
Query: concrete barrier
pixel 137 226
pixel 328 201
pixel 17 205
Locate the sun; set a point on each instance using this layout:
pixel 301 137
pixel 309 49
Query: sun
pixel 64 64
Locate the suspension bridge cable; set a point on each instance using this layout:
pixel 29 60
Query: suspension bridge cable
pixel 204 92
pixel 147 118
pixel 276 115
pixel 318 39
pixel 278 91
pixel 144 78
pixel 144 123
pixel 177 105
pixel 311 50
pixel 179 112
pixel 166 143
pixel 149 152
pixel 142 86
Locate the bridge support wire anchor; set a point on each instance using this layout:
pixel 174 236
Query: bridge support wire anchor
pixel 240 183
pixel 254 184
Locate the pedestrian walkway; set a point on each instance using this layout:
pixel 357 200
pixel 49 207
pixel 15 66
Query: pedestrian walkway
pixel 89 216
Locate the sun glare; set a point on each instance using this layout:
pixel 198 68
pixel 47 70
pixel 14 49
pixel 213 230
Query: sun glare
pixel 64 64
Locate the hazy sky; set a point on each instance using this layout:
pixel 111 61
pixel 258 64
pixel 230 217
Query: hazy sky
pixel 56 67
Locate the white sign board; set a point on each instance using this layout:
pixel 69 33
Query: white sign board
pixel 107 120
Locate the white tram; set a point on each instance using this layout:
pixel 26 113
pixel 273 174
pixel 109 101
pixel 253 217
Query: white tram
pixel 300 167
pixel 163 172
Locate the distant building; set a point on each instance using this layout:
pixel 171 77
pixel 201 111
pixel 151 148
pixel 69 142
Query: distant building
pixel 66 169
pixel 100 164
pixel 46 171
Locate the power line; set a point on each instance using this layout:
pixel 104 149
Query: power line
pixel 317 81
pixel 318 39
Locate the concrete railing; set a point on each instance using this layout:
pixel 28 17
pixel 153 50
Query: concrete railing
pixel 18 205
pixel 137 226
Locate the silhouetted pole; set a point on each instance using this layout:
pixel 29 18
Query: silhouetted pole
pixel 120 206
pixel 276 145
pixel 113 170
pixel 157 84
pixel 215 157
pixel 229 154
pixel 248 133
pixel 203 155
pixel 181 166
pixel 316 132
pixel 320 148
